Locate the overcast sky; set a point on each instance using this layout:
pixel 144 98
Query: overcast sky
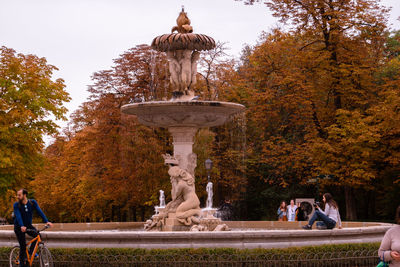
pixel 83 36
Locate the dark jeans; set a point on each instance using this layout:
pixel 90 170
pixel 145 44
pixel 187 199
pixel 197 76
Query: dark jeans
pixel 318 215
pixel 22 242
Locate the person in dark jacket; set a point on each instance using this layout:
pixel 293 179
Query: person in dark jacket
pixel 301 214
pixel 225 212
pixel 23 213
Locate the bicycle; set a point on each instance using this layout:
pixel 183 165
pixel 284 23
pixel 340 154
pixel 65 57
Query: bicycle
pixel 45 258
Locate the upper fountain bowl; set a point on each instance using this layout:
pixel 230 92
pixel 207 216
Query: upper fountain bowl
pixel 183 113
pixel 182 41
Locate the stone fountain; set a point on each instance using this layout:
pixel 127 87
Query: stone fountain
pixel 183 116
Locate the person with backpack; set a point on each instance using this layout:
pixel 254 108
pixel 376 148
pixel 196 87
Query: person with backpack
pixel 225 212
pixel 282 212
pixel 23 213
pixel 301 212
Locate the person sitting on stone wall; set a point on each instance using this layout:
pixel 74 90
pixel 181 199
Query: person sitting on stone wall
pixel 328 218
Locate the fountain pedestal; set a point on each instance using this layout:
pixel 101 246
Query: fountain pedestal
pixel 172 224
pixel 183 140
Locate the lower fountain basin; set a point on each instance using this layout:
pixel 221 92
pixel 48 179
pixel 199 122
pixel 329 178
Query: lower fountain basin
pixel 244 234
pixel 196 114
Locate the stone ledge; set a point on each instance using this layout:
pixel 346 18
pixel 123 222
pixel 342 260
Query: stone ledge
pixel 270 225
pixel 231 239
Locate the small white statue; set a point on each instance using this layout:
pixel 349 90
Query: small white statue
pixel 209 190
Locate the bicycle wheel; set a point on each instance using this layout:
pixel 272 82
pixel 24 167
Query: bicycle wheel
pixel 14 257
pixel 45 258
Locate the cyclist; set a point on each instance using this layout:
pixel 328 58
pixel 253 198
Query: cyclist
pixel 23 213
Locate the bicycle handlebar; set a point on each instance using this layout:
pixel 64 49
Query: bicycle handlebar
pixel 44 228
pixel 38 231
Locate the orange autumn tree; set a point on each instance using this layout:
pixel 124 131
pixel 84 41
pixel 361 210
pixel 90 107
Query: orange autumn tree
pixel 225 144
pixel 280 115
pixel 367 139
pixel 385 116
pixel 110 165
pixel 340 46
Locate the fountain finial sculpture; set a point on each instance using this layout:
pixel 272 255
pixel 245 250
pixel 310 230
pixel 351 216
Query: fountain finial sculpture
pixel 182 50
pixel 183 23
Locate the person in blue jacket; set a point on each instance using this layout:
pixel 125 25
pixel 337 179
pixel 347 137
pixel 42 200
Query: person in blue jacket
pixel 23 213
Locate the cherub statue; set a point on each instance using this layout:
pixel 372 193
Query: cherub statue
pixel 186 69
pixel 162 199
pixel 175 68
pixel 183 70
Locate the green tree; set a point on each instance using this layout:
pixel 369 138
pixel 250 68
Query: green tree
pixel 30 102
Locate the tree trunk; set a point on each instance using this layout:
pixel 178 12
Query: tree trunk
pixel 143 210
pixel 366 205
pixel 371 207
pixel 124 215
pixel 351 213
pixel 134 214
pixel 119 213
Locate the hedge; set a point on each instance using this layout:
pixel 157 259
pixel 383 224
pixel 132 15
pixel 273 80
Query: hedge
pixel 363 254
pixel 209 251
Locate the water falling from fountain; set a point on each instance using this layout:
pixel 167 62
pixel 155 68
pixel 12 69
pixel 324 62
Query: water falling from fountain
pixel 162 199
pixel 161 207
pixel 210 193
